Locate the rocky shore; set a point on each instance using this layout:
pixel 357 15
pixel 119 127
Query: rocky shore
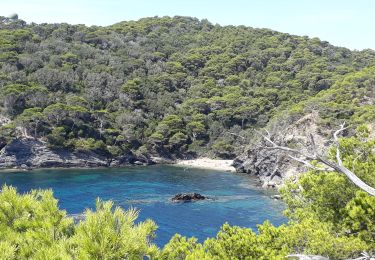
pixel 273 167
pixel 27 153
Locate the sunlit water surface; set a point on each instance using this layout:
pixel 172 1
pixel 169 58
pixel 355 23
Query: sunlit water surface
pixel 236 199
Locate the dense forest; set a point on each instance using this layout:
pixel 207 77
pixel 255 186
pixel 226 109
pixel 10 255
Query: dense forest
pixel 182 87
pixel 170 87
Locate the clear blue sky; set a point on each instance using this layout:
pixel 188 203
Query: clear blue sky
pixel 347 23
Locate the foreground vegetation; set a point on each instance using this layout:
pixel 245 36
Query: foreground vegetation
pixel 174 87
pixel 328 215
pixel 169 86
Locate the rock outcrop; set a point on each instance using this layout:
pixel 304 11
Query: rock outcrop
pixel 31 153
pixel 187 197
pixel 35 154
pixel 273 167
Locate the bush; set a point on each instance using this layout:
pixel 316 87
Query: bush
pixel 33 227
pixel 223 149
pixel 57 138
pixel 90 144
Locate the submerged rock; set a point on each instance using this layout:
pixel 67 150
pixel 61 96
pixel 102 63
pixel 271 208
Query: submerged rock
pixel 186 197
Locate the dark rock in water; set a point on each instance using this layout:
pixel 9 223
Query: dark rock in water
pixel 188 197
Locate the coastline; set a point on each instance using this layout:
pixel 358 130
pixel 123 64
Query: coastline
pixel 200 163
pixel 207 163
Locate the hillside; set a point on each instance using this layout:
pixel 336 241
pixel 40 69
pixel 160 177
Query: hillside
pixel 173 87
pixel 179 87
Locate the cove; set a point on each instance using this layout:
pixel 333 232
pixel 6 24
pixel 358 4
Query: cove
pixel 149 188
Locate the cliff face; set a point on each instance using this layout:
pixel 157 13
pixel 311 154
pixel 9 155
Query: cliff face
pixel 31 153
pixel 274 167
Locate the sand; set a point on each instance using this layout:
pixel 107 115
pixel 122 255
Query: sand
pixel 207 163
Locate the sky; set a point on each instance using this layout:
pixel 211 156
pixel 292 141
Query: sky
pixel 345 23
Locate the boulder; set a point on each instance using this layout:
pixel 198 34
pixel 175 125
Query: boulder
pixel 187 197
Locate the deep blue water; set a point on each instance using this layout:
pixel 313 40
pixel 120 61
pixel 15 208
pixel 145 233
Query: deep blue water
pixel 150 188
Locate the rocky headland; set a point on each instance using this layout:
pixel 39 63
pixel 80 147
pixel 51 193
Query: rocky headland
pixel 28 153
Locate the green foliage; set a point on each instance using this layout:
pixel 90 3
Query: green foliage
pixel 177 85
pixel 17 97
pixel 157 77
pixel 89 144
pixel 178 139
pixel 56 138
pixel 7 251
pixel 348 99
pixel 223 149
pixel 328 216
pixel 31 223
pixel 112 234
pixel 231 242
pixel 332 198
pixel 33 227
pixel 31 119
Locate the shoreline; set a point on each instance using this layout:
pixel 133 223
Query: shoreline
pixel 199 163
pixel 207 163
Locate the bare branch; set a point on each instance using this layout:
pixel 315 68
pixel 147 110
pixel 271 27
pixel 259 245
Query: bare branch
pixel 338 167
pixel 351 176
pixel 335 138
pixel 284 148
pixel 268 133
pixel 309 165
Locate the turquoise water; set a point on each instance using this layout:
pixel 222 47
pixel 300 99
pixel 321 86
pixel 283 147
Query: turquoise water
pixel 149 188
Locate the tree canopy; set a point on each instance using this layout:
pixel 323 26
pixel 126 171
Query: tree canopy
pixel 170 85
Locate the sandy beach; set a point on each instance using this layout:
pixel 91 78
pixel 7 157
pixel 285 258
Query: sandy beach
pixel 207 163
